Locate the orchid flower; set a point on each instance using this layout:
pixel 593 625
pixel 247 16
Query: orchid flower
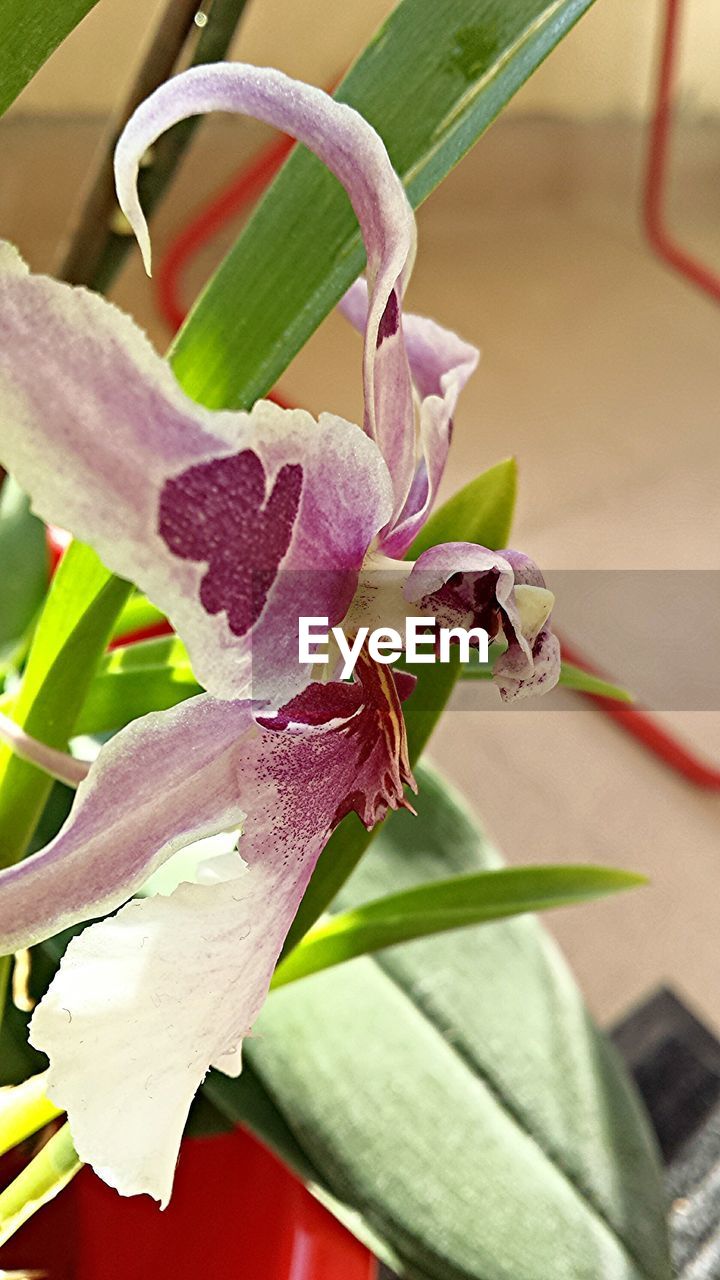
pixel 235 524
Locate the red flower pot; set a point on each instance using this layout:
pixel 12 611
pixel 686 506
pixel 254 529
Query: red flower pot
pixel 236 1214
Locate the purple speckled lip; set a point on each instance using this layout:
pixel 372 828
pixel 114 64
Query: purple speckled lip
pixel 220 512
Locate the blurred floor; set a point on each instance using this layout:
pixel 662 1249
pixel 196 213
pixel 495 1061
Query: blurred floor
pixel 600 373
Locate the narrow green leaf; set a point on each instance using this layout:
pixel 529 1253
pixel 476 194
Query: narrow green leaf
pixel 24 1110
pixel 72 632
pixel 439 1085
pixel 136 615
pixel 447 904
pixel 431 81
pixel 23 567
pixel 571 677
pixel 29 32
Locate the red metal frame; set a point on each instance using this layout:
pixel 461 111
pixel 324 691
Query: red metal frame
pixel 656 179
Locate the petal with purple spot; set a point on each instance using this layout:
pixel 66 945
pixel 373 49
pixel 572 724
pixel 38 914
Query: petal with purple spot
pixel 440 364
pixel 216 515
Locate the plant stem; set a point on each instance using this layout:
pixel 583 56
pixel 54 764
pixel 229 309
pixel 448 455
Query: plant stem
pixel 99 243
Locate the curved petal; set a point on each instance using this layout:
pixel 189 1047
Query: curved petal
pixel 355 153
pixel 233 523
pixel 144 1002
pixel 440 365
pixel 58 764
pixel 462 584
pixel 203 767
pixel 165 781
pixel 515 676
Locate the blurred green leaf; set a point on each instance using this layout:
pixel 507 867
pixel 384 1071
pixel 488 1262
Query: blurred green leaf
pixel 447 904
pixel 29 32
pixel 480 510
pixel 136 615
pixel 455 1093
pixel 24 567
pixel 39 1182
pixel 572 677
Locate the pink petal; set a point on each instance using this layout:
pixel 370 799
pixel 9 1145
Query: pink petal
pixel 355 153
pixel 440 365
pixel 204 767
pixel 233 523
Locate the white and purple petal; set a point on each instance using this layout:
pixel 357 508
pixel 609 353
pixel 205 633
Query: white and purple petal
pixel 144 1002
pixel 356 154
pixel 233 523
pixel 440 365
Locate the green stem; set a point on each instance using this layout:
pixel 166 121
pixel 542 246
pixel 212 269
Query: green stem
pixel 212 45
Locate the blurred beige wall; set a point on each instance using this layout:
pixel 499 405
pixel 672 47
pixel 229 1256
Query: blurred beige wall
pixel 603 69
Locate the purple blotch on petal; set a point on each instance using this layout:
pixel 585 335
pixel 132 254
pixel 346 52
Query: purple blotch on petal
pixel 390 319
pixel 217 511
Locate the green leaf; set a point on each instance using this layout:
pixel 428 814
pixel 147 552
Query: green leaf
pixel 136 615
pixel 571 677
pixel 447 904
pixel 431 81
pixel 456 1093
pixel 24 567
pixel 479 512
pixel 72 632
pixel 29 32
pixel 151 675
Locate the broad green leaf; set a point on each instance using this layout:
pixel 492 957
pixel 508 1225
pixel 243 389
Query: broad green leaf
pixel 151 675
pixel 24 567
pixel 480 510
pixel 431 81
pixel 456 1093
pixel 447 904
pixel 71 634
pixel 29 32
